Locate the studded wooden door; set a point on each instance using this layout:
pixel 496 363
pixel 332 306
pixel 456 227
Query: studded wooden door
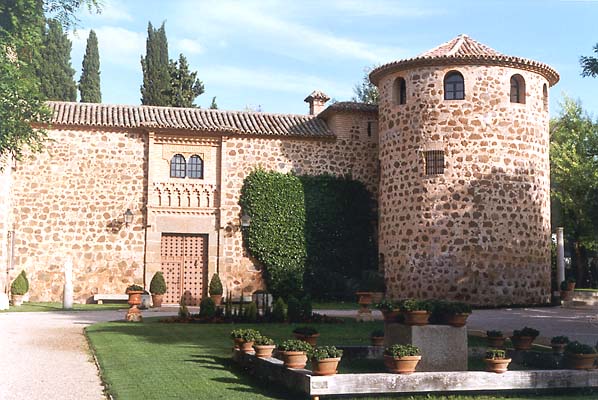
pixel 185 266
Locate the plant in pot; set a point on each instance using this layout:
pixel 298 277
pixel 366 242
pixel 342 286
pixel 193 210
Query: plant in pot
pixel 496 361
pixel 157 289
pixel 264 346
pixel 294 353
pixel 453 313
pixel 134 292
pixel 306 334
pixel 377 337
pixel 523 339
pixel 558 344
pixel 579 356
pixel 215 290
pixel 18 288
pixel 402 358
pixel 372 282
pixel 495 339
pixel 567 290
pixel 324 360
pixel 416 312
pixel 244 339
pixel 389 309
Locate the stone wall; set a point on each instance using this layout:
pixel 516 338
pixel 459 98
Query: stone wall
pixel 69 202
pixel 480 232
pixel 5 220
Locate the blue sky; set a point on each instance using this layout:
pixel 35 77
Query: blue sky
pixel 273 53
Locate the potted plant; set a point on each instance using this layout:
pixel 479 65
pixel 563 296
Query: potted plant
pixel 215 289
pixel 390 310
pixel 416 312
pixel 157 289
pixel 495 339
pixel 263 346
pixel 566 291
pixel 453 313
pixel 18 288
pixel 134 292
pixel 324 360
pixel 496 361
pixel 372 282
pixel 294 353
pixel 402 358
pixel 306 334
pixel 244 338
pixel 558 344
pixel 377 338
pixel 579 356
pixel 523 339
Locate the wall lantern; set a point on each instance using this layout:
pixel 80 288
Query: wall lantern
pixel 245 220
pixel 128 215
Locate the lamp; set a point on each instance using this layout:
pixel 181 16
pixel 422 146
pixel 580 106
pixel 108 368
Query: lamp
pixel 245 220
pixel 128 216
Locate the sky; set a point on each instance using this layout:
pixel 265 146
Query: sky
pixel 270 54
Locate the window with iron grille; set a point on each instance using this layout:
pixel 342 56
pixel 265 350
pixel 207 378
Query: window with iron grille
pixel 434 162
pixel 195 167
pixel 517 89
pixel 454 86
pixel 400 91
pixel 178 166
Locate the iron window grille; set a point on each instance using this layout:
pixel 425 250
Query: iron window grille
pixel 434 162
pixel 195 167
pixel 454 86
pixel 178 166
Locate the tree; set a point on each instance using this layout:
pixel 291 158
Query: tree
pixel 185 86
pixel 589 64
pixel 366 92
pixel 55 72
pixel 574 180
pixel 156 87
pixel 213 106
pixel 89 83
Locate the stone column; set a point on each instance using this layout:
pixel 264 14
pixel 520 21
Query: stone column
pixel 560 256
pixel 67 298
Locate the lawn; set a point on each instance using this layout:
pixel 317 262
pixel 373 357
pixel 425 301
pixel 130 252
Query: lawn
pixel 180 361
pixel 335 305
pixel 55 306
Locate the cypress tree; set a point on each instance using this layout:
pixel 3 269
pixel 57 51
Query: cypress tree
pixel 89 84
pixel 55 72
pixel 185 86
pixel 213 106
pixel 155 65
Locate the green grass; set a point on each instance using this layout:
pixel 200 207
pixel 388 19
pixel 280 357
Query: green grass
pixel 55 306
pixel 181 361
pixel 335 305
pixel 586 290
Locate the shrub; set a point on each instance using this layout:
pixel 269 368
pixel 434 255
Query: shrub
pixel 402 350
pixel 215 286
pixel 321 353
pixel 263 341
pixel 294 309
pixel 415 305
pixel 529 332
pixel 251 312
pixel 494 333
pixel 306 308
pixel 228 306
pixel 377 333
pixel 386 305
pixel 295 345
pixel 248 335
pixel 19 286
pixel 207 308
pixel 134 288
pixel 559 340
pixel 24 274
pixel 305 331
pixel 495 354
pixel 578 348
pixel 158 284
pixel 279 311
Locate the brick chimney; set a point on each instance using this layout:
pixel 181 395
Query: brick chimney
pixel 316 100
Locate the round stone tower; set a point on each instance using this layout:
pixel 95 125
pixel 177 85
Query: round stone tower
pixel 464 189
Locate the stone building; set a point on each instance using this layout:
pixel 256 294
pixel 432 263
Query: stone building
pixel 456 153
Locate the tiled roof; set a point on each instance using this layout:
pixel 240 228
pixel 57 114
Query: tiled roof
pixel 317 95
pixel 190 119
pixel 464 50
pixel 349 106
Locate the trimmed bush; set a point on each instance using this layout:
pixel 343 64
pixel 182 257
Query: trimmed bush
pixel 158 284
pixel 20 285
pixel 24 274
pixel 279 313
pixel 576 347
pixel 306 308
pixel 251 312
pixel 294 309
pixel 215 285
pixel 207 308
pixel 134 288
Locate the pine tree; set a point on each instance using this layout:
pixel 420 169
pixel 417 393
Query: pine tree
pixel 156 74
pixel 213 106
pixel 55 72
pixel 89 84
pixel 185 85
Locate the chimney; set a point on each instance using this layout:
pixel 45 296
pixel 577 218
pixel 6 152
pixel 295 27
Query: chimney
pixel 316 100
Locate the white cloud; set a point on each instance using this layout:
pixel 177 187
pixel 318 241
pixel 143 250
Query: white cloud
pixel 188 46
pixel 114 12
pixel 385 8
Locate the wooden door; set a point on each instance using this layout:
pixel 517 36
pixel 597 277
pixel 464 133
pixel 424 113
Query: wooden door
pixel 185 266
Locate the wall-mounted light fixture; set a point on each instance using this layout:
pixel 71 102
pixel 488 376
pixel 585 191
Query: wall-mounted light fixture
pixel 245 220
pixel 128 217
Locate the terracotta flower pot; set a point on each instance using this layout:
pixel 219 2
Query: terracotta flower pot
pixel 311 339
pixel 237 343
pixel 522 342
pixel 401 365
pixel 325 366
pixel 497 366
pixel 377 340
pixel 416 317
pixel 496 342
pixel 456 320
pixel 294 359
pixel 134 297
pixel 390 315
pixel 16 299
pixel 570 286
pixel 157 300
pixel 580 361
pixel 558 348
pixel 216 298
pixel 246 347
pixel 264 351
pixel 365 298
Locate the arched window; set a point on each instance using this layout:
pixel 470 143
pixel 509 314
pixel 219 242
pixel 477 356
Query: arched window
pixel 178 166
pixel 195 167
pixel 545 97
pixel 454 87
pixel 517 89
pixel 399 91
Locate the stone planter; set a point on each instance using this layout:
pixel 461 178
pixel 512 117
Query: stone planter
pixel 294 359
pixel 216 298
pixel 496 342
pixel 580 361
pixel 497 366
pixel 377 340
pixel 264 351
pixel 16 299
pixel 311 339
pixel 134 314
pixel 401 365
pixel 418 318
pixel 157 300
pixel 456 320
pixel 325 366
pixel 522 342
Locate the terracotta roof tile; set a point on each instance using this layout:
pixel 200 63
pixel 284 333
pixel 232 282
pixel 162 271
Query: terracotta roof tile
pixel 349 106
pixel 192 119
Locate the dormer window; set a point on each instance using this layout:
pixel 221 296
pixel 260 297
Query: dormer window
pixel 517 89
pixel 454 86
